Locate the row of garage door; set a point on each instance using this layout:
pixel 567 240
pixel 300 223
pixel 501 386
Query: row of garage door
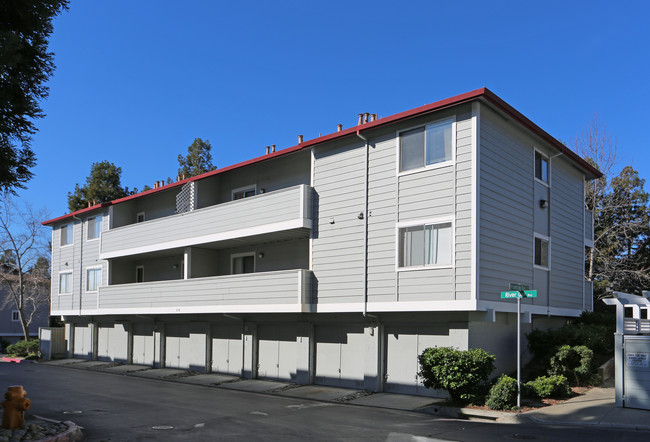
pixel 340 351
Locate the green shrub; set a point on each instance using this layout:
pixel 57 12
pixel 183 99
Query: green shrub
pixel 503 394
pixel 556 386
pixel 460 372
pixel 23 348
pixel 594 330
pixel 572 361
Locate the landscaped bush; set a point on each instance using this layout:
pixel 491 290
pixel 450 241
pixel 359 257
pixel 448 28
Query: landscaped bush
pixel 503 394
pixel 574 362
pixel 23 348
pixel 556 386
pixel 460 372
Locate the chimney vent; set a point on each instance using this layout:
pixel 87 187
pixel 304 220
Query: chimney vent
pixel 339 127
pixel 299 139
pixel 268 149
pixel 360 119
pixel 365 117
pixel 272 147
pixel 373 117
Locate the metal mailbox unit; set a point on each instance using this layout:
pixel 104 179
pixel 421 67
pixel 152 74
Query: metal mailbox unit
pixel 632 353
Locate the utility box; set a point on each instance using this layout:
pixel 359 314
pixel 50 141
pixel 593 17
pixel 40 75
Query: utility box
pixel 632 352
pixel 51 342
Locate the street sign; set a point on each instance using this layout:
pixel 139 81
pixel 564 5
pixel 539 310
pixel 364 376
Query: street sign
pixel 518 287
pixel 530 293
pixel 511 294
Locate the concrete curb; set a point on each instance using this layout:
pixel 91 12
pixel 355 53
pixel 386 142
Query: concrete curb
pixel 73 433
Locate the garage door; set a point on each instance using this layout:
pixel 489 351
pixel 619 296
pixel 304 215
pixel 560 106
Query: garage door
pixel 277 357
pixel 82 341
pixel 143 344
pixel 185 346
pixel 227 350
pixel 340 355
pixel 112 343
pixel 636 372
pixel 403 346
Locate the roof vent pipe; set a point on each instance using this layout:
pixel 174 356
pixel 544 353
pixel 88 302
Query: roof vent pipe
pixel 365 117
pixel 339 127
pixel 268 149
pixel 272 147
pixel 299 139
pixel 360 119
pixel 373 117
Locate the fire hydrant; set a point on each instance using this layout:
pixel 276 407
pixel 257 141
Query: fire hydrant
pixel 15 406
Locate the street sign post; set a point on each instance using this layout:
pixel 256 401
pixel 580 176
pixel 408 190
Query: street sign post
pixel 518 291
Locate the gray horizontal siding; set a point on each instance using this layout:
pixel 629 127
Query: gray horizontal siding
pixel 567 236
pixel 506 207
pixel 337 248
pixel 257 211
pixel 281 287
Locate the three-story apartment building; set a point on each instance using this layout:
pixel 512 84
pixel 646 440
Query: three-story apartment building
pixel 339 260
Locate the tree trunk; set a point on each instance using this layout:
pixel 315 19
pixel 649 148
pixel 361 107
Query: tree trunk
pixel 24 324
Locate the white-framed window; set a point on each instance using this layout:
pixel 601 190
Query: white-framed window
pixel 542 255
pixel 244 192
pixel 93 279
pixel 425 245
pixel 94 227
pixel 65 283
pixel 429 145
pixel 15 316
pixel 66 234
pixel 139 218
pixel 139 274
pixel 541 167
pixel 242 263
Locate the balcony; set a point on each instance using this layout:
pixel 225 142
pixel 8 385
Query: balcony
pixel 279 215
pixel 285 291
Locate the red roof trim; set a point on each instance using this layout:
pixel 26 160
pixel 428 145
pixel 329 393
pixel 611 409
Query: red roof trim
pixel 416 112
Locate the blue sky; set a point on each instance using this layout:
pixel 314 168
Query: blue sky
pixel 137 81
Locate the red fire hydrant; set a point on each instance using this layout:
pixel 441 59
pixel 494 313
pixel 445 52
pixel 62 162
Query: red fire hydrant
pixel 15 406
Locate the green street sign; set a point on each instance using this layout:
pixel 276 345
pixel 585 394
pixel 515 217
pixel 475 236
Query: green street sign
pixel 513 294
pixel 517 286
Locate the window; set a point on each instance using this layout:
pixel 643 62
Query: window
pixel 242 263
pixel 15 316
pixel 244 192
pixel 93 279
pixel 65 283
pixel 541 252
pixel 66 235
pixel 94 227
pixel 139 218
pixel 424 146
pixel 139 274
pixel 541 167
pixel 425 245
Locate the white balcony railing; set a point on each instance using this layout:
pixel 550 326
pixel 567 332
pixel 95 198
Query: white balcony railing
pixel 279 291
pixel 286 210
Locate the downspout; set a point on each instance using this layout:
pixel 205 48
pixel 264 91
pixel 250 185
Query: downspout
pixel 81 257
pixel 365 228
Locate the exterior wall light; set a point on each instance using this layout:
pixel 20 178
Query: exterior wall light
pixel 543 204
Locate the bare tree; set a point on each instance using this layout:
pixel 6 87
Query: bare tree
pixel 24 268
pixel 596 145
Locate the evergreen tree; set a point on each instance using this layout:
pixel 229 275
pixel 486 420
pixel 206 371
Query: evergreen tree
pixel 25 66
pixel 197 161
pixel 102 185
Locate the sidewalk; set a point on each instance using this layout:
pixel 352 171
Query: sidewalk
pixel 596 407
